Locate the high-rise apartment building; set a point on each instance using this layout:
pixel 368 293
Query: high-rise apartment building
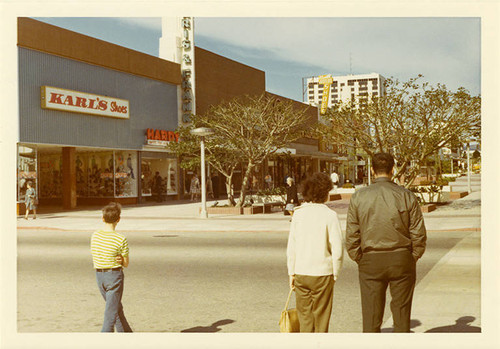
pixel 344 88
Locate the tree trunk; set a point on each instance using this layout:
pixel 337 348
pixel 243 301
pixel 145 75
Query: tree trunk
pixel 229 190
pixel 241 201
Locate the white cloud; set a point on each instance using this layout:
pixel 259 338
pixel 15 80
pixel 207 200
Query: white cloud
pixel 442 49
pixel 150 23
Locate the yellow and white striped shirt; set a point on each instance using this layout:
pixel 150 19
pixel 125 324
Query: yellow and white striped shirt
pixel 105 246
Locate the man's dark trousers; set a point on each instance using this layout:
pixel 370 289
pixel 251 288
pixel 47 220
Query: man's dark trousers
pixel 377 270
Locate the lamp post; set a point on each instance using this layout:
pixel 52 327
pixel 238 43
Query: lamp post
pixel 202 132
pixel 468 167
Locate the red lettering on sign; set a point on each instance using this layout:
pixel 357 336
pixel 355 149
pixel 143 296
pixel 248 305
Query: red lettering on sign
pixel 69 101
pixel 150 133
pixel 103 105
pixel 81 102
pixel 56 98
pixel 163 135
pixel 117 108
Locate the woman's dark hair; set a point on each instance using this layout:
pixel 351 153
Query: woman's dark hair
pixel 29 183
pixel 382 163
pixel 315 188
pixel 111 212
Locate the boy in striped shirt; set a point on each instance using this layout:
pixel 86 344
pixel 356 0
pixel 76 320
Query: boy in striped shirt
pixel 110 253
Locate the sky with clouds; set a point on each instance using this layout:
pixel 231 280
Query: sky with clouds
pixel 444 49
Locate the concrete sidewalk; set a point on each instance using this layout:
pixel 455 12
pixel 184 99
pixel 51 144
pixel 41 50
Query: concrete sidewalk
pixel 183 217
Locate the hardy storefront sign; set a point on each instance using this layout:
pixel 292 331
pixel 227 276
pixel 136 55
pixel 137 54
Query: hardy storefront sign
pixel 161 137
pixel 81 102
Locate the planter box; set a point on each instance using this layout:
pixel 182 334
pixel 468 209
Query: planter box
pixel 224 210
pixel 446 188
pixel 258 199
pixel 458 194
pixel 435 197
pixel 345 193
pixel 428 208
pixel 333 197
pixel 256 209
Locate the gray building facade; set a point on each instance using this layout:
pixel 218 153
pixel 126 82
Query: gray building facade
pixel 82 155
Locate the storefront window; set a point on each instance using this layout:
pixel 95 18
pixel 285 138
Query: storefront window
pixel 50 173
pixel 125 174
pixel 167 170
pixel 100 174
pixel 26 170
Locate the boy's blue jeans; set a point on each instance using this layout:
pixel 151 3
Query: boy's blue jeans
pixel 110 284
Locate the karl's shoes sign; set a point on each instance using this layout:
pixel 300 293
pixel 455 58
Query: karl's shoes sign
pixel 81 102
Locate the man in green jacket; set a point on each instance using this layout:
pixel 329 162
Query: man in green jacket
pixel 385 235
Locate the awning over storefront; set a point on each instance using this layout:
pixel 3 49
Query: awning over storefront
pixel 318 154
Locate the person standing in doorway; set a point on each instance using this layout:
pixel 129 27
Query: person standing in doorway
pixel 210 188
pixel 385 236
pixel 158 186
pixel 110 253
pixel 30 200
pixel 215 185
pixel 315 253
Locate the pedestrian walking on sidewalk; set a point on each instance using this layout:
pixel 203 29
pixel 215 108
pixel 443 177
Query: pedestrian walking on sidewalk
pixel 314 254
pixel 110 253
pixel 194 188
pixel 385 235
pixel 30 201
pixel 292 199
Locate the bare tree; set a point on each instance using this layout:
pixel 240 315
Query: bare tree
pixel 217 154
pixel 247 129
pixel 412 120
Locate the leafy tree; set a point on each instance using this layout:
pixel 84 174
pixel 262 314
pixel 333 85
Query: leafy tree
pixel 219 157
pixel 412 120
pixel 246 129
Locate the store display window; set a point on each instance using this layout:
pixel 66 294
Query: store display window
pixel 106 174
pixel 125 174
pixel 99 169
pixel 26 170
pixel 50 175
pixel 167 170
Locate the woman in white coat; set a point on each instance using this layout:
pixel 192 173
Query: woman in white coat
pixel 314 254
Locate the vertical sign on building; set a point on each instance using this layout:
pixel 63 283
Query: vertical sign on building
pixel 326 80
pixel 187 67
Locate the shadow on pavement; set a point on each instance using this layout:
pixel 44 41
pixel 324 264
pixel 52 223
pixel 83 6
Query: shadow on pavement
pixel 413 323
pixel 462 325
pixel 212 328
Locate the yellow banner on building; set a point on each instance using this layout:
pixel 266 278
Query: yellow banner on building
pixel 326 80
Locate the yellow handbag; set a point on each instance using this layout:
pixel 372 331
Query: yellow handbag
pixel 289 319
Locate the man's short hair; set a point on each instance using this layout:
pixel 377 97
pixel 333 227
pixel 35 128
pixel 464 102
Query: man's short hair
pixel 315 188
pixel 111 212
pixel 382 163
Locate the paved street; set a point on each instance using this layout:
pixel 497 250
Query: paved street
pixel 224 274
pixel 178 282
